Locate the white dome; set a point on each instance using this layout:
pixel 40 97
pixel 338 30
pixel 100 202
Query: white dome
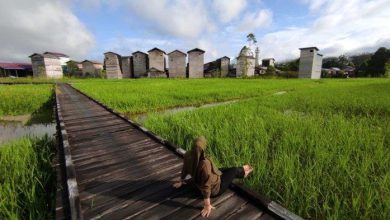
pixel 246 51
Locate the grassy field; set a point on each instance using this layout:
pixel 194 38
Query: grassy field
pixel 27 179
pixel 137 96
pixel 24 99
pixel 320 150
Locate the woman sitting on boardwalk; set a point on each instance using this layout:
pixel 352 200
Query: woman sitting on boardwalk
pixel 207 177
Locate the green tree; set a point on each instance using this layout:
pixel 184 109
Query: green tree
pixel 291 65
pixel 358 60
pixel 72 68
pixel 329 62
pixel 344 61
pixel 361 70
pixel 251 38
pixel 270 71
pixel 376 65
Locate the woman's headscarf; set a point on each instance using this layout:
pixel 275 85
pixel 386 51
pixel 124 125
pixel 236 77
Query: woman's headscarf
pixel 195 155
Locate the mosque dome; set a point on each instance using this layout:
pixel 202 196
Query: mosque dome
pixel 246 51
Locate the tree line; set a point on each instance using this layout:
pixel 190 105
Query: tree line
pixel 366 65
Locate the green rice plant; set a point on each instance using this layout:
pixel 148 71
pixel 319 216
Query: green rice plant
pixel 145 95
pixel 320 150
pixel 24 99
pixel 27 179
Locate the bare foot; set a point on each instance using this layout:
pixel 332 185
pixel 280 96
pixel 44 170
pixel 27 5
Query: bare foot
pixel 247 169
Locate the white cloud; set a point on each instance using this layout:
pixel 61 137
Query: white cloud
pixel 125 46
pixel 342 27
pixel 186 19
pixel 252 21
pixel 38 26
pixel 228 10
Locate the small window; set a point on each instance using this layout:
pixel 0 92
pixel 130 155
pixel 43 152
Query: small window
pixel 311 50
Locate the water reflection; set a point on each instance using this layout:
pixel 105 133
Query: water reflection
pixel 37 124
pixel 10 130
pixel 141 118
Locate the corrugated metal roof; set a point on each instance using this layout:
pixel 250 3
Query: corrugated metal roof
pixel 92 61
pixel 15 66
pixel 56 54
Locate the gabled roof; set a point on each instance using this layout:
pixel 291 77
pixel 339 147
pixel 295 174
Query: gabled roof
pixel 196 50
pixel 157 49
pixel 307 48
pixel 112 53
pixel 139 52
pixel 56 54
pixel 178 51
pixel 44 55
pixel 15 66
pixel 225 57
pixel 269 59
pixel 92 61
pixel 74 61
pixel 35 54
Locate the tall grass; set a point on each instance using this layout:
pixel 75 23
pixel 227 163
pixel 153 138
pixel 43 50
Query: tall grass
pixel 23 99
pixel 27 179
pixel 321 150
pixel 144 95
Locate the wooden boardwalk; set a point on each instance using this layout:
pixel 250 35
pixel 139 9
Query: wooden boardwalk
pixel 122 173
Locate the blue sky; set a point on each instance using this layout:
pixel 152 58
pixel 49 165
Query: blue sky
pixel 85 29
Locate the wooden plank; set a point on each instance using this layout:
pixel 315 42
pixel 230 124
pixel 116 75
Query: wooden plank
pixel 128 211
pixel 249 211
pixel 121 149
pixel 97 127
pixel 81 154
pixel 139 190
pixel 94 166
pixel 102 186
pixel 226 208
pixel 76 118
pixel 125 154
pixel 95 132
pixel 105 142
pixel 193 210
pixel 123 172
pixel 104 117
pixel 170 205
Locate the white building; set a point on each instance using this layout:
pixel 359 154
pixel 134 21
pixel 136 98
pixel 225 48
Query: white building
pixel 310 63
pixel 46 65
pixel 245 63
pixel 62 57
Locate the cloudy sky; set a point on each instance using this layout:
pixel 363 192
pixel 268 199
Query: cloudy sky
pixel 85 29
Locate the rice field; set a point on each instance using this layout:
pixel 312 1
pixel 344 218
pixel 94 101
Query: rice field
pixel 24 99
pixel 145 95
pixel 320 148
pixel 27 179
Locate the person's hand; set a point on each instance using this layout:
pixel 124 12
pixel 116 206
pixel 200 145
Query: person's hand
pixel 207 210
pixel 178 184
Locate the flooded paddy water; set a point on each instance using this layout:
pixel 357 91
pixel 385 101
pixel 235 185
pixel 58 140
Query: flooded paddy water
pixel 37 124
pixel 140 118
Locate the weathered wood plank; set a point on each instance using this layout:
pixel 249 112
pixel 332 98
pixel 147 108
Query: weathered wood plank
pixel 193 210
pixel 226 208
pixel 249 211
